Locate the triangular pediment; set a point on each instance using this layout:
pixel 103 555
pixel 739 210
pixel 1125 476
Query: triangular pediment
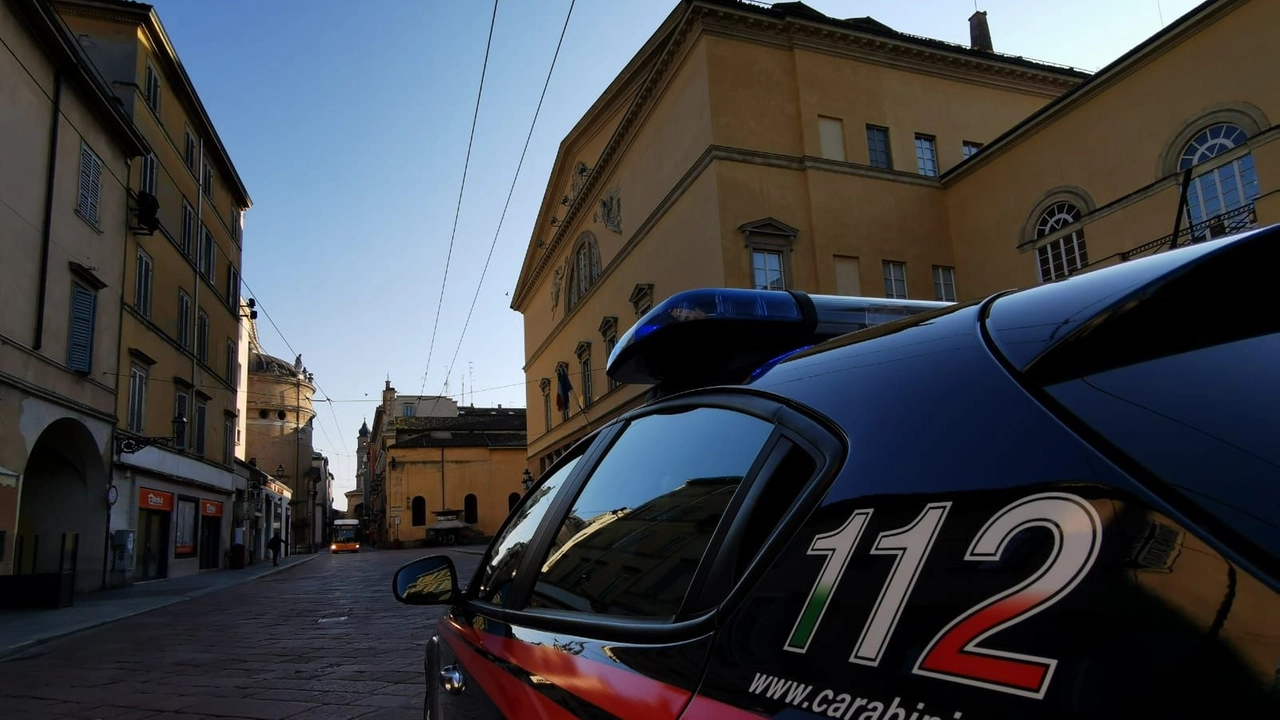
pixel 768 226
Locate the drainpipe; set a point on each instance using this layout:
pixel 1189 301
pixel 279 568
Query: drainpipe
pixel 443 505
pixel 46 234
pixel 195 288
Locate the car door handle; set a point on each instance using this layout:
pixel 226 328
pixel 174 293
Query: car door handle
pixel 451 680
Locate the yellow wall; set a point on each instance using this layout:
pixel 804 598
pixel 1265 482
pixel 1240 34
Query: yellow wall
pixel 491 474
pixel 1111 146
pixel 729 135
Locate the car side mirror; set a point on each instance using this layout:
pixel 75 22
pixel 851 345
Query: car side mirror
pixel 426 581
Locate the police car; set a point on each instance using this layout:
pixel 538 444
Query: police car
pixel 1062 502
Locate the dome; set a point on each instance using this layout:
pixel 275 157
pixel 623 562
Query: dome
pixel 264 364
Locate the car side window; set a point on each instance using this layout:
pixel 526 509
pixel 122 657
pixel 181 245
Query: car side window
pixel 641 524
pixel 507 550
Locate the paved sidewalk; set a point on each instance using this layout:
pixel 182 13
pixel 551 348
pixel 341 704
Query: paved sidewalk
pixel 23 629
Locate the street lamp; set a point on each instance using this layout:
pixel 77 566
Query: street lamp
pixel 127 445
pixel 527 481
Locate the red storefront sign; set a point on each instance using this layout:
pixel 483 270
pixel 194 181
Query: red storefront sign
pixel 149 499
pixel 210 508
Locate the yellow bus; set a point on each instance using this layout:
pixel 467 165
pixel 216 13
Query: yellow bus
pixel 344 536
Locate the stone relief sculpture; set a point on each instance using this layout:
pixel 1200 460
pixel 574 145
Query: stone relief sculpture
pixel 580 173
pixel 555 287
pixel 610 212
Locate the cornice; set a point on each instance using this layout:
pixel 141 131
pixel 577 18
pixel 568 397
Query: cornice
pixel 638 104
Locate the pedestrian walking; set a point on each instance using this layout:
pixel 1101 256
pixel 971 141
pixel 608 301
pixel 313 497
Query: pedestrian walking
pixel 274 545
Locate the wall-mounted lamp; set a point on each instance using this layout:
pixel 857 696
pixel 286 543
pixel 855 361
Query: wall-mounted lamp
pixel 127 445
pixel 527 481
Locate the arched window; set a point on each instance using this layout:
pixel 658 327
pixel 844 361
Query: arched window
pixel 1064 255
pixel 469 510
pixel 419 508
pixel 584 269
pixel 512 500
pixel 1225 188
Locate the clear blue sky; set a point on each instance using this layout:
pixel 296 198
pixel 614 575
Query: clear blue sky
pixel 348 123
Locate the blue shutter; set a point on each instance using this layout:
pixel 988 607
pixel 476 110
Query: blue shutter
pixel 80 333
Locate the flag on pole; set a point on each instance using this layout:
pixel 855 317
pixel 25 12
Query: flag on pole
pixel 563 388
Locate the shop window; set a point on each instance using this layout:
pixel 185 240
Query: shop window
pixel 184 539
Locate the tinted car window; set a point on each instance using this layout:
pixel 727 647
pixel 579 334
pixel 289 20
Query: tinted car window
pixel 637 531
pixel 1202 421
pixel 508 548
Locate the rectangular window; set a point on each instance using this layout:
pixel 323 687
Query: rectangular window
pixel 609 344
pixel 233 287
pixel 408 410
pixel 944 283
pixel 546 411
pixel 895 280
pixel 206 177
pixel 848 275
pixel 90 187
pixel 150 168
pixel 80 331
pixel 190 151
pixel 766 270
pixel 151 90
pixel 137 399
pixel 926 155
pixel 181 409
pixel 231 362
pixel 188 229
pixel 585 363
pixel 208 252
pixel 831 138
pixel 184 536
pixel 878 147
pixel 228 441
pixel 970 148
pixel 237 225
pixel 184 319
pixel 201 426
pixel 202 336
pixel 142 285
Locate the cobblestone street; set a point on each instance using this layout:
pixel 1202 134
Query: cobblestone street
pixel 323 640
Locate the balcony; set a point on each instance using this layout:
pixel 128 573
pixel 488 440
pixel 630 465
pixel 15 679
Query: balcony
pixel 1227 223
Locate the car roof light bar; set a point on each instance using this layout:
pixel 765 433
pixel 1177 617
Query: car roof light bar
pixel 720 335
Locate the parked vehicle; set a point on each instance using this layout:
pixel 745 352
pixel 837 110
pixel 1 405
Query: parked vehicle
pixel 1062 502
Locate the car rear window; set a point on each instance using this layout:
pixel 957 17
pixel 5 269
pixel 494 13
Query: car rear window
pixel 1204 422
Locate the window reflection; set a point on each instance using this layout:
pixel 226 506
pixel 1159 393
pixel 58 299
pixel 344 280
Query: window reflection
pixel 508 548
pixel 636 533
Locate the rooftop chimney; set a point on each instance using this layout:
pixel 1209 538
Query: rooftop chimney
pixel 979 33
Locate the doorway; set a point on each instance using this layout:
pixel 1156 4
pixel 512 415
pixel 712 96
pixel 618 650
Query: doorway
pixel 153 544
pixel 210 542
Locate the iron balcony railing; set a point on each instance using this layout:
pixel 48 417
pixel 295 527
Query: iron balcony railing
pixel 1227 223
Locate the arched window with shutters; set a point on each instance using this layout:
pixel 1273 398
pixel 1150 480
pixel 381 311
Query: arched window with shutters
pixel 512 500
pixel 470 509
pixel 1227 189
pixel 1065 254
pixel 418 506
pixel 584 269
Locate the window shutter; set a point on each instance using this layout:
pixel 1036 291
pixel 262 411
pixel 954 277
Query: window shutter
pixel 80 342
pixel 83 202
pixel 95 186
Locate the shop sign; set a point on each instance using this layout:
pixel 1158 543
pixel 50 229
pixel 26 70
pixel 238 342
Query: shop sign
pixel 211 508
pixel 149 499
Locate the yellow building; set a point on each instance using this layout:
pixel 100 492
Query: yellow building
pixel 180 325
pixel 64 214
pixel 1097 176
pixel 746 146
pixel 438 467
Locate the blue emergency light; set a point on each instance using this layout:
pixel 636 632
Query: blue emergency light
pixel 714 336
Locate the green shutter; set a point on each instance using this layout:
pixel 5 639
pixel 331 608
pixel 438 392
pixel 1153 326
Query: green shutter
pixel 80 333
